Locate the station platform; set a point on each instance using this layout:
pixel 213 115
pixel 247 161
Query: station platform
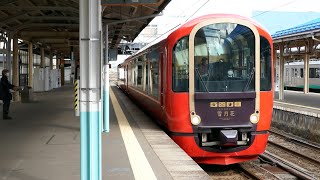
pixel 298 97
pixel 298 102
pixel 42 142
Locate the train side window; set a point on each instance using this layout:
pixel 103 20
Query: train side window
pixel 134 72
pixel 265 59
pixel 180 65
pixel 145 73
pixel 314 72
pixel 139 73
pixel 154 73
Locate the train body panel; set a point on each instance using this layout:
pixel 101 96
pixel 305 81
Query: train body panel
pixel 294 75
pixel 216 113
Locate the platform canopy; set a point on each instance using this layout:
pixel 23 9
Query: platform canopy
pixel 55 23
pixel 297 39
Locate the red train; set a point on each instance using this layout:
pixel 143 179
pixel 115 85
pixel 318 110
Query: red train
pixel 209 83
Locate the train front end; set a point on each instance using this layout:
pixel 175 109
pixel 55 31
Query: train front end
pixel 230 96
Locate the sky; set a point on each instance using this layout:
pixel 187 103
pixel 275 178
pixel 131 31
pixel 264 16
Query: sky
pixel 274 15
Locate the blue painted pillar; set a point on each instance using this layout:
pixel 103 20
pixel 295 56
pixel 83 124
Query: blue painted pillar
pixel 90 89
pixel 106 85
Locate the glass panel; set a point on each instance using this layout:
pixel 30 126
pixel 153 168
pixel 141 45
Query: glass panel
pixel 140 73
pixel 134 73
pixel 224 58
pixel 265 64
pixel 154 73
pixel 180 66
pixel 312 72
pixel 317 72
pixel 144 73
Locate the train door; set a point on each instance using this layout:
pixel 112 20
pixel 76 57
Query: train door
pixel 162 81
pixel 127 77
pixel 163 87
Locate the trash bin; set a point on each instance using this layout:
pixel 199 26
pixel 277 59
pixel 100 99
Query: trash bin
pixel 26 94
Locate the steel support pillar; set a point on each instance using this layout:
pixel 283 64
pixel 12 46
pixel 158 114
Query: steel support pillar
pixel 30 64
pixel 106 84
pixel 62 70
pixel 51 60
pixel 282 61
pixel 43 61
pixel 15 68
pixel 73 66
pixel 8 57
pixel 306 70
pixel 90 89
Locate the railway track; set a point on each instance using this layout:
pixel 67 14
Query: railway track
pixel 248 170
pixel 295 139
pixel 294 154
pixel 297 171
pixel 286 157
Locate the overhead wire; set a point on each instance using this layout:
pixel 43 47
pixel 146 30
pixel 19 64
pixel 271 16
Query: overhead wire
pixel 274 8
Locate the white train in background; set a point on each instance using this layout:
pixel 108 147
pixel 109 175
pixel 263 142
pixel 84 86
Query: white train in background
pixel 294 75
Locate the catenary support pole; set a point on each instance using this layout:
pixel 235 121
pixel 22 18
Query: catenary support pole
pixel 106 84
pixel 90 80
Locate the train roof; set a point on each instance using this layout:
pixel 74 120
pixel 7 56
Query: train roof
pixel 192 23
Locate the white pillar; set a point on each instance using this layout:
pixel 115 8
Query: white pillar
pixel 90 84
pixel 282 61
pixel 306 70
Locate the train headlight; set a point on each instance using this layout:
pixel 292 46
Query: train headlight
pixel 195 120
pixel 254 118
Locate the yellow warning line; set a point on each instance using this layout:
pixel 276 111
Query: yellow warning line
pixel 140 166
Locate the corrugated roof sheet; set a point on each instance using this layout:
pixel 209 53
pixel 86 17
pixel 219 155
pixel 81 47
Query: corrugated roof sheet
pixel 308 26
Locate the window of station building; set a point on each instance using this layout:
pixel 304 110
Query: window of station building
pixel 154 73
pixel 36 60
pixel 180 65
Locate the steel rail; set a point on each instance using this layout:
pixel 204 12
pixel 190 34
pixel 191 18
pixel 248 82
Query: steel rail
pixel 315 161
pixel 293 169
pixel 248 172
pixel 296 139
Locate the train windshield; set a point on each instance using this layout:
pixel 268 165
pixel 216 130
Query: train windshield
pixel 224 58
